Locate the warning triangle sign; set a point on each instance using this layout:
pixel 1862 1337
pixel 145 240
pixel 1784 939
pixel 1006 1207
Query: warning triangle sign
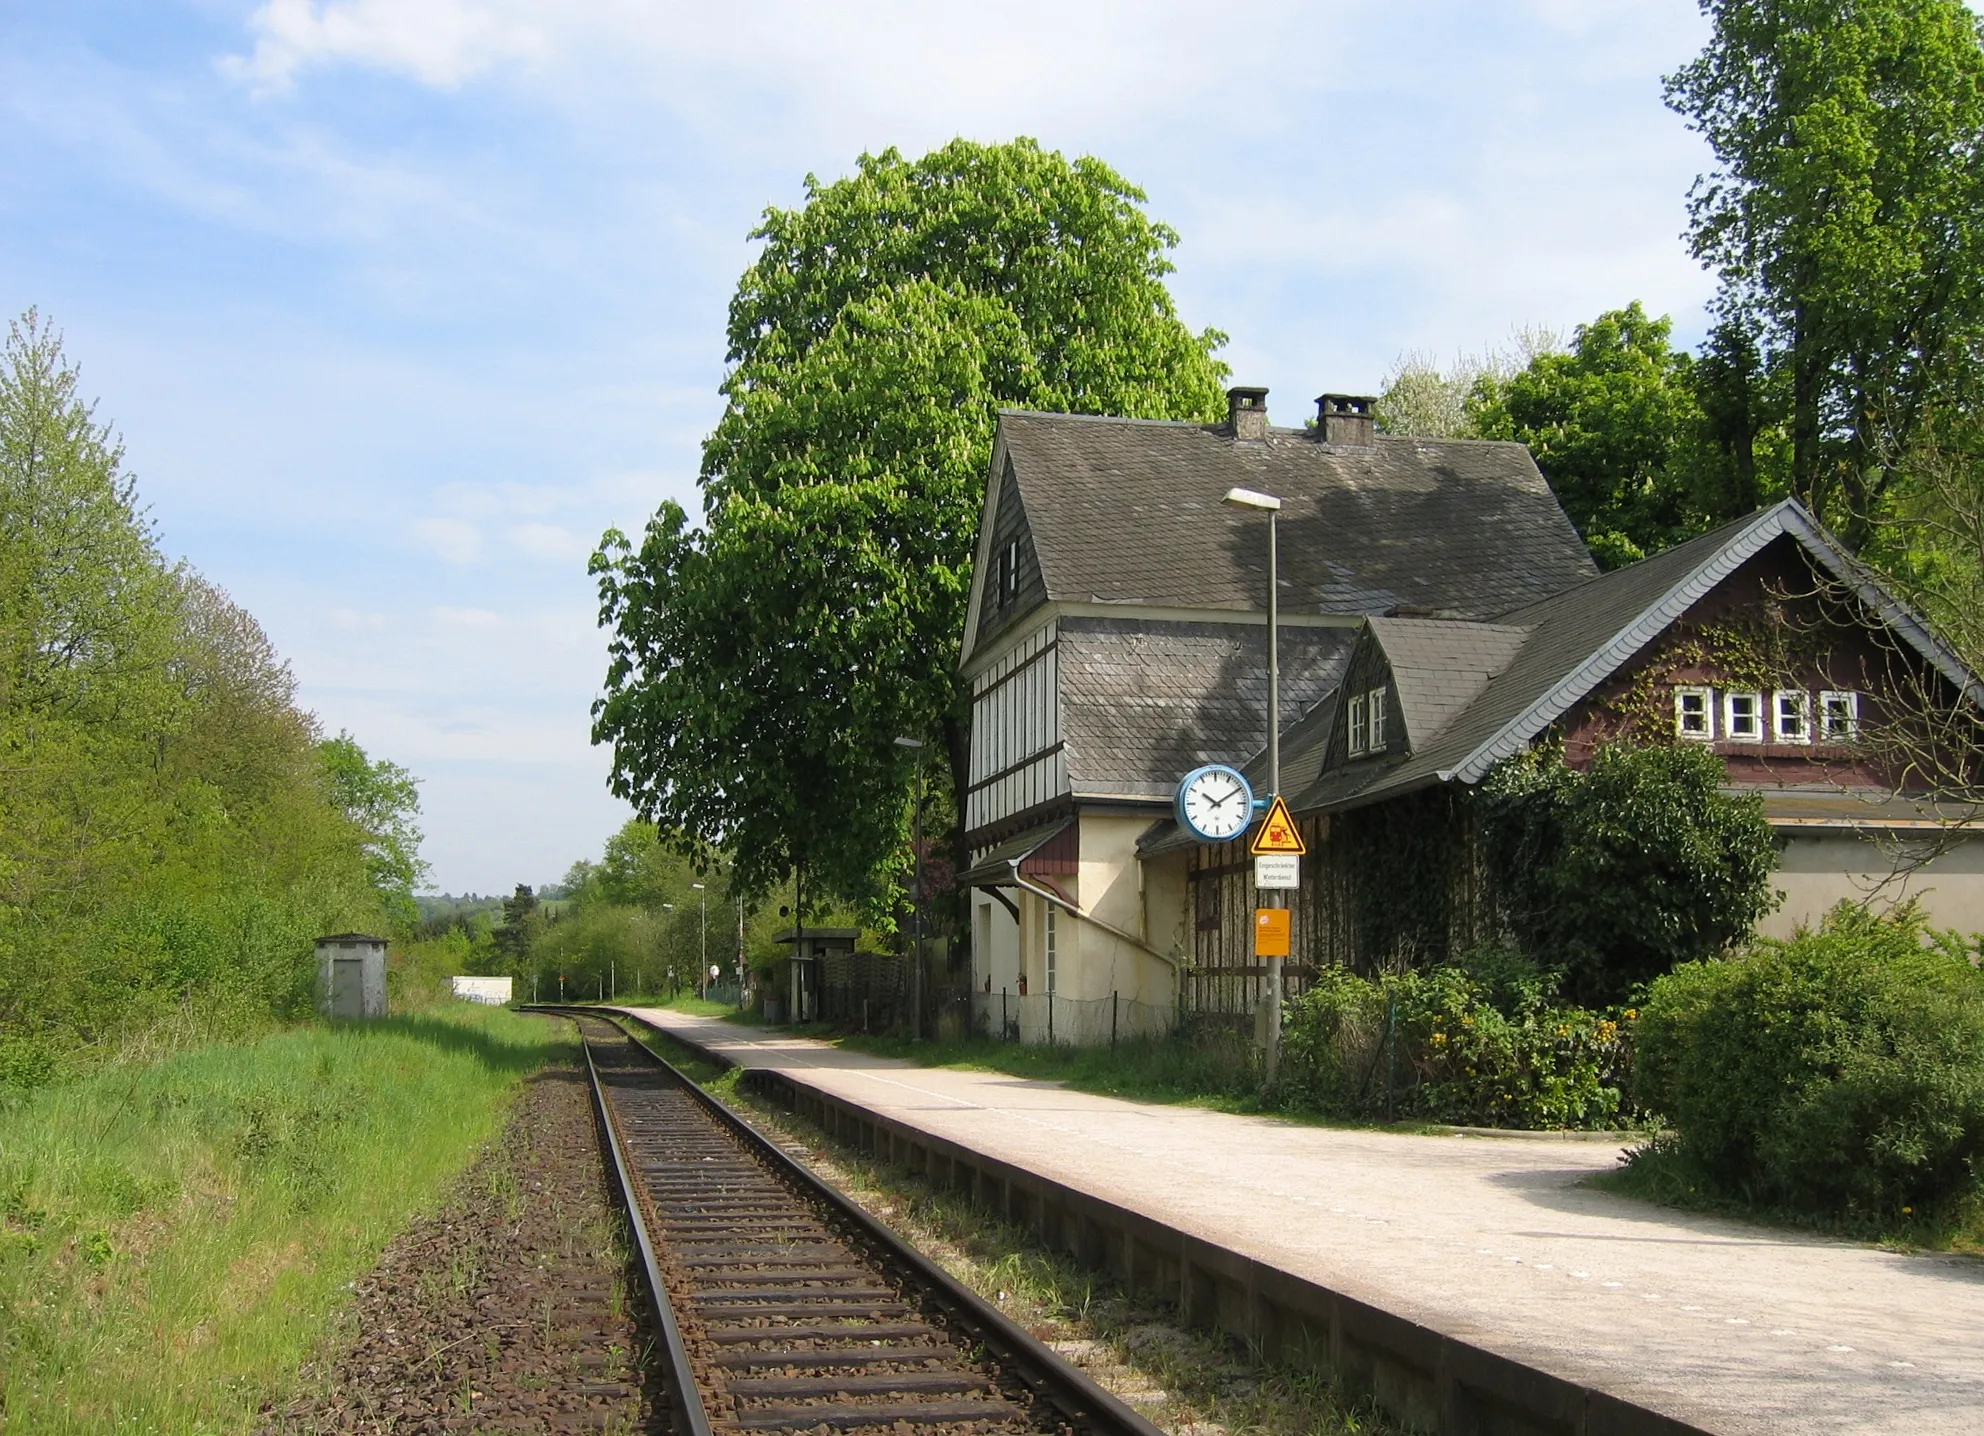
pixel 1278 833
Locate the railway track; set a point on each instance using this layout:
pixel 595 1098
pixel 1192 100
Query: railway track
pixel 783 1306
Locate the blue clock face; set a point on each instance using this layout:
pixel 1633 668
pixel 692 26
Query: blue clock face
pixel 1214 803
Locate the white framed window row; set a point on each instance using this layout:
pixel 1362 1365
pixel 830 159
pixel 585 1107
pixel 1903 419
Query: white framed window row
pixel 1374 705
pixel 1749 716
pixel 1356 724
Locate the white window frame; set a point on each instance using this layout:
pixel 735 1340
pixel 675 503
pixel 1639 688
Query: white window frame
pixel 1374 708
pixel 1827 732
pixel 1356 725
pixel 1707 696
pixel 1801 702
pixel 1729 732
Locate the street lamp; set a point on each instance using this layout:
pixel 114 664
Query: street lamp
pixel 915 745
pixel 1271 897
pixel 702 981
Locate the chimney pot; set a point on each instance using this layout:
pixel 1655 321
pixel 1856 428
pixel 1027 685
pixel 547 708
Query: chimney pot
pixel 1247 413
pixel 1349 419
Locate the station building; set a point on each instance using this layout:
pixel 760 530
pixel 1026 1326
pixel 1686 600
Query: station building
pixel 1438 614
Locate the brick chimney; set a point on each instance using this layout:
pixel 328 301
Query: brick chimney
pixel 1346 418
pixel 1247 413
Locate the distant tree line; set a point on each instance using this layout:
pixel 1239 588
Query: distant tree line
pixel 174 830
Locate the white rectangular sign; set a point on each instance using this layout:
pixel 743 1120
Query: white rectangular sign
pixel 1277 870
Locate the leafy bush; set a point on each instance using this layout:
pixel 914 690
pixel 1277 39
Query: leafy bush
pixel 1616 874
pixel 1481 1048
pixel 1840 1072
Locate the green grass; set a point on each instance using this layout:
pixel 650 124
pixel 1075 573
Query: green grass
pixel 176 1237
pixel 1215 1073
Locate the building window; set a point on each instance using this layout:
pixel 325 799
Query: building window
pixel 1694 714
pixel 1791 715
pixel 1357 725
pixel 1839 715
pixel 1050 950
pixel 1009 574
pixel 1743 717
pixel 1376 707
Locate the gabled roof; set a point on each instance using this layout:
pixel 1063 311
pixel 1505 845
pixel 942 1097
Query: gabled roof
pixel 1128 511
pixel 1580 637
pixel 1438 667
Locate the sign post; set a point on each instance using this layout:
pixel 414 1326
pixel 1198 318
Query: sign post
pixel 1277 850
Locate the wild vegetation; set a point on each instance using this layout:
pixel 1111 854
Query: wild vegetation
pixel 190 1224
pixel 174 831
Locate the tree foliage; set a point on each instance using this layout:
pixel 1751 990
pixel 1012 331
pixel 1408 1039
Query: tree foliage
pixel 1845 218
pixel 762 665
pixel 1616 874
pixel 167 822
pixel 1610 423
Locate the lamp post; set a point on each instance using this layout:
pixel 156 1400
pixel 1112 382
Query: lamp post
pixel 915 745
pixel 1271 897
pixel 702 981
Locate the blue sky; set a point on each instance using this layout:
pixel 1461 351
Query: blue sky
pixel 399 303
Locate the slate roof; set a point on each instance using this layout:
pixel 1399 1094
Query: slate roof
pixel 1128 511
pixel 1551 654
pixel 1439 667
pixel 1581 636
pixel 1145 702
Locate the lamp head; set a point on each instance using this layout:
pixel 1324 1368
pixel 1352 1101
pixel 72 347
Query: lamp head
pixel 1249 499
pixel 909 742
pixel 697 887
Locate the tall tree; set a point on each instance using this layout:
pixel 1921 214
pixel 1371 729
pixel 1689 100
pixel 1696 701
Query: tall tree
pixel 1845 218
pixel 762 666
pixel 1612 423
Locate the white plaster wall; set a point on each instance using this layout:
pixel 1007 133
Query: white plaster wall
pixel 995 951
pixel 1819 868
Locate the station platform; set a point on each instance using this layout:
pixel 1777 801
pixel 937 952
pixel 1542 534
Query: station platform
pixel 1476 1262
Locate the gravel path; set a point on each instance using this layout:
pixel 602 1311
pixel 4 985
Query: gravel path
pixel 513 1309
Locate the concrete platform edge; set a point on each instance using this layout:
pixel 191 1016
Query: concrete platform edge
pixel 1417 1374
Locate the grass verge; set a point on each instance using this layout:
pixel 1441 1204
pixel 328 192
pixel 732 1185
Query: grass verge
pixel 1661 1173
pixel 1187 1382
pixel 175 1237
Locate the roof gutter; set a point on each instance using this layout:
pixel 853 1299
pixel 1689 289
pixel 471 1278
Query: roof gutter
pixel 1074 910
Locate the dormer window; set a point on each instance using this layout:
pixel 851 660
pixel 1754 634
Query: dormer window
pixel 1375 708
pixel 1357 725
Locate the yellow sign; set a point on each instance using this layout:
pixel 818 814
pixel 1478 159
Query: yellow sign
pixel 1278 833
pixel 1272 929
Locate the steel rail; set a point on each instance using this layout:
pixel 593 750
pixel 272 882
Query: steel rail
pixel 1083 1406
pixel 684 1399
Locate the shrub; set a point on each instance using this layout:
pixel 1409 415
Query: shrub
pixel 1615 875
pixel 1840 1072
pixel 1481 1048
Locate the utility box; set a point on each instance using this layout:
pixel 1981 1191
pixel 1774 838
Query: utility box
pixel 351 975
pixel 495 991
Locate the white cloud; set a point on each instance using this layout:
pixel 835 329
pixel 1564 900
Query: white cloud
pixel 437 42
pixel 551 541
pixel 454 541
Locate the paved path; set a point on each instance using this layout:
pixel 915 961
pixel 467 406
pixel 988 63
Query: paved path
pixel 1490 1239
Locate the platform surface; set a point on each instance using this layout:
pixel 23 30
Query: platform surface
pixel 1493 1240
